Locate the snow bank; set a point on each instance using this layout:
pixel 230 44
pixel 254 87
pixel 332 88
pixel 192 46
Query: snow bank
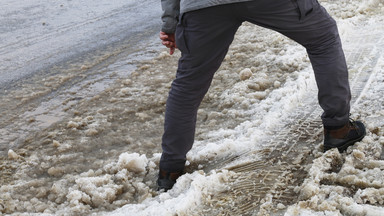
pixel 352 183
pixel 187 195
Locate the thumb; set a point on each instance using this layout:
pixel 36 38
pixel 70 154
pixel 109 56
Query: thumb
pixel 171 50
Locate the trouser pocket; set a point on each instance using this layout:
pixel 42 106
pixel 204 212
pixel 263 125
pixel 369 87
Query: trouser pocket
pixel 180 35
pixel 305 7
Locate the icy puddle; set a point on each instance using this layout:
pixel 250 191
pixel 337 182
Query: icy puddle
pixel 258 142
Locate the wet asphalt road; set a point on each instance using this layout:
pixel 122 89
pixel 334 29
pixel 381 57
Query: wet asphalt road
pixel 40 34
pixel 52 53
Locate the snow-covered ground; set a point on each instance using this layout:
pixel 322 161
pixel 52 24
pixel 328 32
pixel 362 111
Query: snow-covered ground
pixel 258 143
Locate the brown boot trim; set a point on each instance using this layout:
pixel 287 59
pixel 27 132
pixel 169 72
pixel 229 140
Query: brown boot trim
pixel 342 132
pixel 170 175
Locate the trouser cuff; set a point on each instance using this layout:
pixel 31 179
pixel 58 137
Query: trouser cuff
pixel 171 165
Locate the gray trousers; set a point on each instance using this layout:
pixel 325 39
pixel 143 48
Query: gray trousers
pixel 203 37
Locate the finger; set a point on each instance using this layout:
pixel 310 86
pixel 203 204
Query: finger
pixel 171 50
pixel 164 37
pixel 167 44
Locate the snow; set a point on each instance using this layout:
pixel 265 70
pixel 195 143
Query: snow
pixel 132 162
pixel 80 167
pixel 12 155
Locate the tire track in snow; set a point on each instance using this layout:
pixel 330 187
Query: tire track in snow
pixel 282 165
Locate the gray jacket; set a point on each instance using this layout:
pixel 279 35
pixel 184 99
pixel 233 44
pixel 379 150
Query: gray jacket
pixel 173 8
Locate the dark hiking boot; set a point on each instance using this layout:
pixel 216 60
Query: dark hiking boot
pixel 342 138
pixel 166 179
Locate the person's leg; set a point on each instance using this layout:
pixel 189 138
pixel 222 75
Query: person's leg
pixel 203 37
pixel 308 23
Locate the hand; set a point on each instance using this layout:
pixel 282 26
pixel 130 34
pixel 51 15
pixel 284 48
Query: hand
pixel 168 40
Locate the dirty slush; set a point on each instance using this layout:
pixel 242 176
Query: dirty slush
pixel 98 154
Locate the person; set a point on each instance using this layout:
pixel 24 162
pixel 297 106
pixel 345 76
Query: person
pixel 203 31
